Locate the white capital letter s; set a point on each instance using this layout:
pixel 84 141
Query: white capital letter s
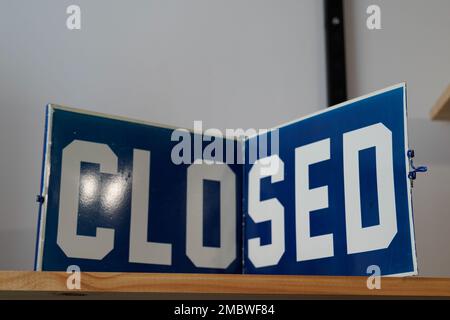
pixel 268 210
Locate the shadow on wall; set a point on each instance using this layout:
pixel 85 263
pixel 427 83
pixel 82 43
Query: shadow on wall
pixel 17 255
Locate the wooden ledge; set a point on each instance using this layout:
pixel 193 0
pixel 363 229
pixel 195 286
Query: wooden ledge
pixel 441 110
pixel 28 284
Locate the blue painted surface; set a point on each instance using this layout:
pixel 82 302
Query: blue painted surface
pixel 387 108
pixel 167 207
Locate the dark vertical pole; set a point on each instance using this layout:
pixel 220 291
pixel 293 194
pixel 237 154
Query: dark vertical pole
pixel 335 47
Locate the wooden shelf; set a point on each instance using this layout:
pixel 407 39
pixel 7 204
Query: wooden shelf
pixel 441 110
pixel 42 285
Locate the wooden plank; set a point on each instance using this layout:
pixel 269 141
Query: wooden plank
pixel 441 110
pixel 30 284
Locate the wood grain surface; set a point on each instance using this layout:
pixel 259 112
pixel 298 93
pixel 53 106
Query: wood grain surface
pixel 28 284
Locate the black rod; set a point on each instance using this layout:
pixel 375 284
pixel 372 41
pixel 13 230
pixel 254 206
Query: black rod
pixel 335 51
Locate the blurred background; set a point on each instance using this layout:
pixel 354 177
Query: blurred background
pixel 230 63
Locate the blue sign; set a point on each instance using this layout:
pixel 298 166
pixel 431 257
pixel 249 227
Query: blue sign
pixel 114 199
pixel 334 198
pixel 328 194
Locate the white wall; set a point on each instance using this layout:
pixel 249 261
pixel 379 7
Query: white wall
pixel 230 63
pixel 413 46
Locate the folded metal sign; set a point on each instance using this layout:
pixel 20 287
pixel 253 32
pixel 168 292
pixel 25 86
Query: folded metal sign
pixel 335 201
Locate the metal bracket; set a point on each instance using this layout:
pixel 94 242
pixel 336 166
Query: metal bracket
pixel 40 199
pixel 412 175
